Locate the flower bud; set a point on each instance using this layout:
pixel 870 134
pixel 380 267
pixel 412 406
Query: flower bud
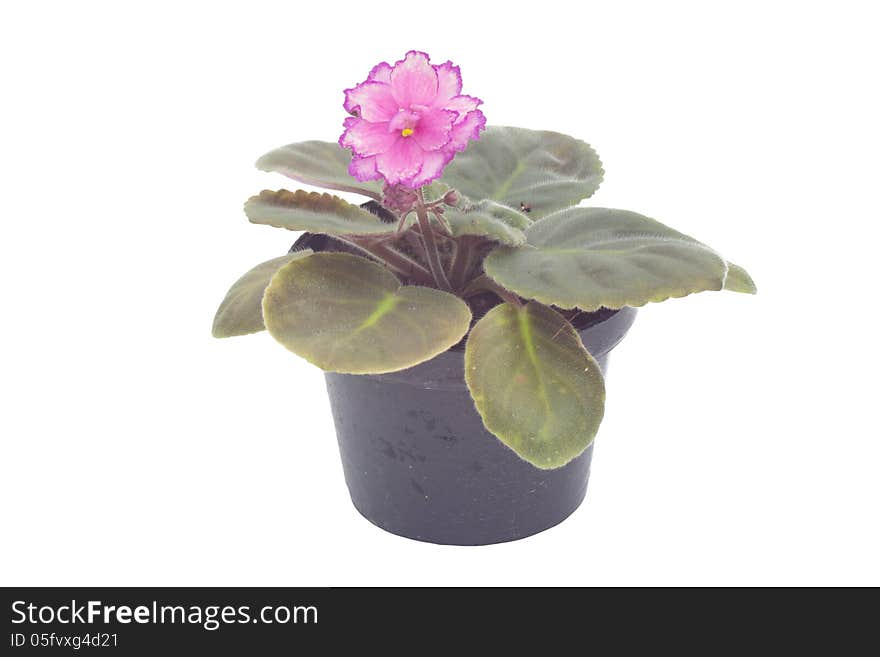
pixel 452 197
pixel 399 197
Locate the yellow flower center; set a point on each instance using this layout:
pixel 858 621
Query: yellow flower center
pixel 406 132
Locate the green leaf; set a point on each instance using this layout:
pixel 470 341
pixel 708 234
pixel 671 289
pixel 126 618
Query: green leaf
pixel 346 314
pixel 241 312
pixel 434 191
pixel 488 219
pixel 314 212
pixel 534 384
pixel 544 170
pixel 318 163
pixel 593 257
pixel 738 280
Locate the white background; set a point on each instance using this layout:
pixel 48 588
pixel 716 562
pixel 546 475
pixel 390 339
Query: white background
pixel 741 442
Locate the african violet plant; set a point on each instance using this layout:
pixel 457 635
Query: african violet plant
pixel 472 232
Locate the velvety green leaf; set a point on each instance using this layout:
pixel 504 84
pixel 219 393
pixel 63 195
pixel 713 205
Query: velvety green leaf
pixel 593 257
pixel 435 191
pixel 534 384
pixel 241 310
pixel 544 170
pixel 738 280
pixel 488 219
pixel 318 163
pixel 346 314
pixel 314 212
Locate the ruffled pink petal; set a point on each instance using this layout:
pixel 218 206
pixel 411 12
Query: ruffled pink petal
pixel 448 83
pixel 433 164
pixel 414 80
pixel 403 119
pixel 434 128
pixel 409 120
pixel 465 130
pixel 462 105
pixel 364 168
pixel 401 163
pixel 372 101
pixel 366 138
pixel 381 73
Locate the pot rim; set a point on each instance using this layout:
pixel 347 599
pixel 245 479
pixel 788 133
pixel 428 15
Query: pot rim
pixel 446 370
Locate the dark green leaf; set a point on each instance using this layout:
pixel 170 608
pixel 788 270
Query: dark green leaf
pixel 314 212
pixel 544 170
pixel 318 163
pixel 593 257
pixel 488 219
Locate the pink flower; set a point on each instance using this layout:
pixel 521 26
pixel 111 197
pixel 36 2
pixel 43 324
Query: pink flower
pixel 408 121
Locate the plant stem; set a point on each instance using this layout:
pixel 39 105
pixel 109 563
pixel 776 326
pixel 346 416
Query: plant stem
pixel 462 261
pixel 431 251
pixel 399 263
pixel 410 267
pixel 441 221
pixel 484 283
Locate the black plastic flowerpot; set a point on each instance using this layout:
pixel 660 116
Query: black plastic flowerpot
pixel 419 462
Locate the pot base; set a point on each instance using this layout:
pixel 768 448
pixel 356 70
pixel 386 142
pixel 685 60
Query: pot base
pixel 419 463
pixel 468 537
pixel 433 473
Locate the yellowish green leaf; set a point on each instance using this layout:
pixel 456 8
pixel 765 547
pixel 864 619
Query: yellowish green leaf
pixel 534 384
pixel 346 314
pixel 738 280
pixel 241 310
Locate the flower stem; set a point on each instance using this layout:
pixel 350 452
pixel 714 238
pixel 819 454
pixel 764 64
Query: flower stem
pixel 431 251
